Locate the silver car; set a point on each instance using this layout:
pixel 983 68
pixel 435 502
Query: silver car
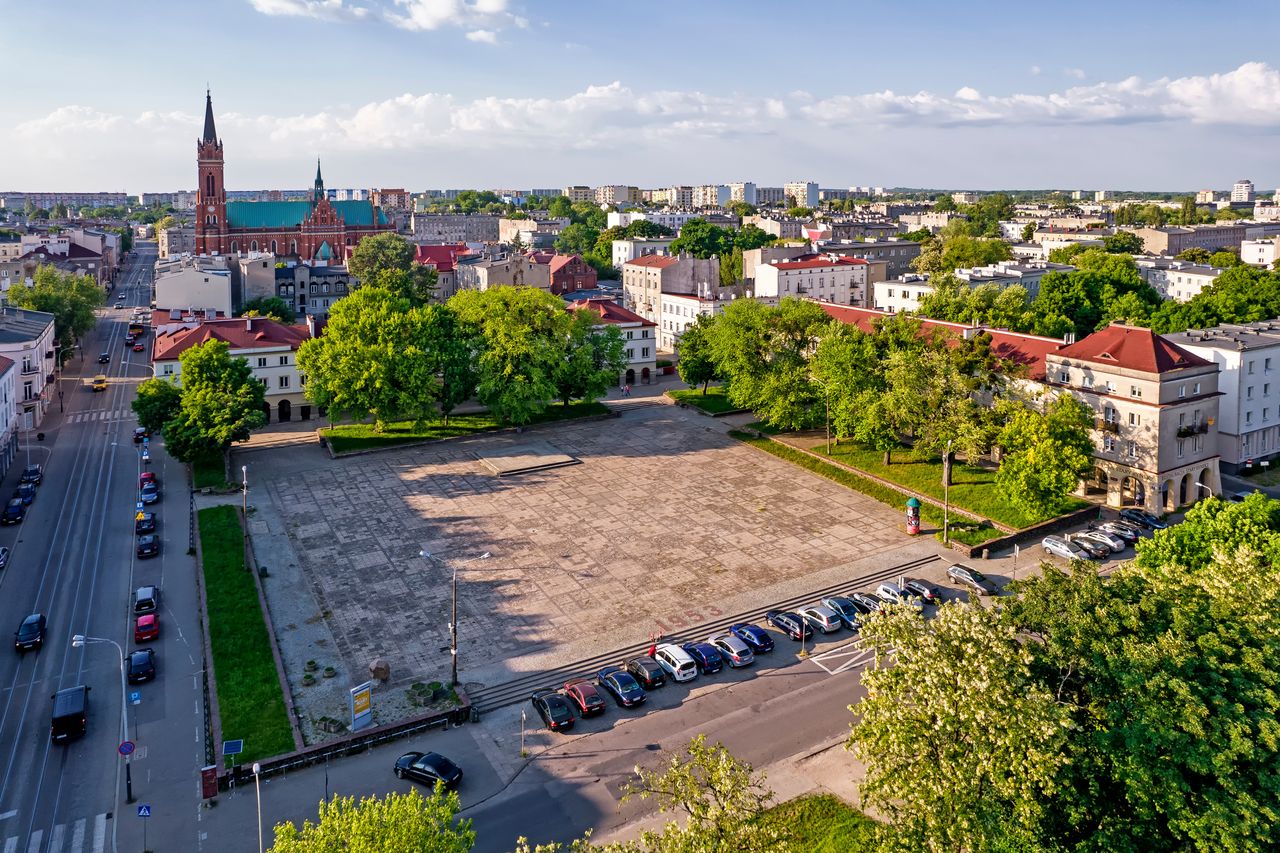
pixel 736 653
pixel 1092 547
pixel 1112 541
pixel 891 593
pixel 1060 547
pixel 821 617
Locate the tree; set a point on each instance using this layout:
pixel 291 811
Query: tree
pixel 1029 232
pixel 741 208
pixel 643 228
pixel 800 212
pixel 701 239
pixel 1122 243
pixel 944 204
pixel 1213 530
pixel 70 298
pixel 450 358
pixel 221 403
pixel 156 403
pixel 268 306
pixel 1195 255
pixel 594 357
pixel 59 211
pixel 389 261
pixel 1046 454
pixel 392 823
pixel 577 239
pixel 1224 259
pixel 373 361
pixel 560 207
pixel 962 745
pixel 696 366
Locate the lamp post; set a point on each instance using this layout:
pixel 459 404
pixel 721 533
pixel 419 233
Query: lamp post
pixel 1206 488
pixel 244 495
pixel 257 787
pixel 453 623
pixel 80 640
pixel 946 496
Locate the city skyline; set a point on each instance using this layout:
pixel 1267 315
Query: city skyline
pixel 498 93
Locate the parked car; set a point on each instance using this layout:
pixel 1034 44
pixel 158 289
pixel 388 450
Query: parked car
pixel 428 768
pixel 733 649
pixel 4 557
pixel 146 628
pixel 104 358
pixel 25 493
pixel 756 638
pixel 868 604
pixel 145 524
pixel 584 696
pixel 1063 548
pixel 1238 497
pixel 891 593
pixel 976 581
pixel 140 665
pixel 821 618
pixel 138 347
pixel 146 599
pixel 147 477
pixel 647 671
pixel 706 656
pixel 149 493
pixel 925 591
pixel 1123 531
pixel 14 511
pixel 139 433
pixel 30 634
pixel 1143 518
pixel 1113 542
pixel 848 612
pixel 676 661
pixel 148 546
pixel 32 474
pixel 621 685
pixel 1094 548
pixel 791 624
pixel 553 709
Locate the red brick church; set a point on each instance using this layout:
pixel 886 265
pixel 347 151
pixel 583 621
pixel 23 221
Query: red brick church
pixel 315 230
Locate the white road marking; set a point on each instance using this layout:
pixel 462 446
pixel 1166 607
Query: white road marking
pixel 99 833
pixel 55 838
pixel 11 844
pixel 849 656
pixel 8 814
pixel 77 836
pixel 33 846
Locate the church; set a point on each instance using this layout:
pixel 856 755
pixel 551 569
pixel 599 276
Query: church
pixel 315 231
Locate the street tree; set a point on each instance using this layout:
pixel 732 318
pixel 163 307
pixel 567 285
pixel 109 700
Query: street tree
pixel 1122 243
pixel 268 306
pixel 962 745
pixel 221 402
pixel 1028 232
pixel 70 298
pixel 1045 454
pixel 696 366
pixel 577 239
pixel 393 823
pixel 389 261
pixel 594 358
pixel 156 403
pixel 1195 255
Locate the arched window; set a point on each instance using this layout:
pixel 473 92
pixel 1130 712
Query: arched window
pixel 235 248
pixel 273 247
pixel 209 186
pixel 253 247
pixel 293 247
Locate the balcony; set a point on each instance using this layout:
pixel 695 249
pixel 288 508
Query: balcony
pixel 1106 426
pixel 28 369
pixel 1193 429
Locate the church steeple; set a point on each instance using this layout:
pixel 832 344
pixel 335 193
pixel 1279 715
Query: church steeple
pixel 318 192
pixel 210 132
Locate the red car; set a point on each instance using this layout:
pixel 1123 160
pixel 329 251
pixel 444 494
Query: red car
pixel 146 628
pixel 584 696
pixel 138 347
pixel 146 477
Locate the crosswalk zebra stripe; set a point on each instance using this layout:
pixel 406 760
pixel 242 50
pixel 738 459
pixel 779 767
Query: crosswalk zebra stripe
pixel 55 838
pixel 33 846
pixel 99 833
pixel 11 844
pixel 77 835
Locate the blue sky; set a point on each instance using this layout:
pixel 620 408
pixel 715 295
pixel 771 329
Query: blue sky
pixel 543 93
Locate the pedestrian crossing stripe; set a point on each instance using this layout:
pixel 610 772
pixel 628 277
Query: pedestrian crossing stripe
pixel 64 838
pixel 102 415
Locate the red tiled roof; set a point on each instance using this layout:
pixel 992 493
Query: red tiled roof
pixel 813 262
pixel 1026 350
pixel 239 333
pixel 5 364
pixel 559 261
pixel 660 261
pixel 1133 348
pixel 609 311
pixel 442 257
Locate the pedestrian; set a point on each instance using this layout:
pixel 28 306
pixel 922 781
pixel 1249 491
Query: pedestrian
pixel 626 392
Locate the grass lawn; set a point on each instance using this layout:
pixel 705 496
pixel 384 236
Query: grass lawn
pixel 972 488
pixel 823 823
pixel 347 437
pixel 208 472
pixel 714 401
pixel 961 531
pixel 250 699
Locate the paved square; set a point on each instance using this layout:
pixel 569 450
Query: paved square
pixel 667 521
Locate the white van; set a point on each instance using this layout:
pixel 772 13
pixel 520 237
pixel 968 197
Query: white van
pixel 676 661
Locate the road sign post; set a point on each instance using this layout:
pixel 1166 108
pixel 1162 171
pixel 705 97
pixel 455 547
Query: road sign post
pixel 126 748
pixel 230 749
pixel 362 706
pixel 144 812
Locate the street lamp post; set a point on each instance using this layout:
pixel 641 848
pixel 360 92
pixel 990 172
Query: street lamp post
pixel 80 640
pixel 1206 488
pixel 946 496
pixel 453 623
pixel 244 495
pixel 257 787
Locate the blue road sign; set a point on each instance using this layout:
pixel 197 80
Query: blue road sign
pixel 135 698
pixel 232 747
pixel 144 810
pixel 126 748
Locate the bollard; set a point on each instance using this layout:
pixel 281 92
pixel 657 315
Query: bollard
pixel 986 553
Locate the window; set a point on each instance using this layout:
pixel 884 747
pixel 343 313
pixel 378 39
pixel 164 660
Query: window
pixel 1135 391
pixel 1251 368
pixel 1111 388
pixel 1108 443
pixel 1134 419
pixel 1195 389
pixel 1266 414
pixel 1182 390
pixel 1266 364
pixel 630 335
pixel 1063 376
pixel 1248 417
pixel 26 391
pixel 262 362
pixel 1088 382
pixel 1182 418
pixel 284 381
pixel 1197 443
pixel 1248 393
pixel 631 353
pixel 168 369
pixel 284 359
pixel 1266 389
pixel 1132 449
pixel 644 352
pixel 1181 447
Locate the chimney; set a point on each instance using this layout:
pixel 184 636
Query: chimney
pixel 311 325
pixel 248 324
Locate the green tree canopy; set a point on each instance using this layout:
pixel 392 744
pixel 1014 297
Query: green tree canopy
pixel 392 823
pixel 577 239
pixel 156 403
pixel 388 261
pixel 221 402
pixel 594 358
pixel 701 239
pixel 70 298
pixel 1046 455
pixel 696 366
pixel 268 306
pixel 1122 243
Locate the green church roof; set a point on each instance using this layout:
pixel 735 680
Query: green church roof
pixel 289 214
pixel 358 212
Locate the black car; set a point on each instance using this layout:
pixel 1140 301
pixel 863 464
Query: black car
pixel 26 493
pixel 706 656
pixel 647 671
pixel 428 768
pixel 139 433
pixel 104 358
pixel 1142 517
pixel 145 524
pixel 756 638
pixel 621 685
pixel 865 603
pixel 148 546
pixel 30 634
pixel 14 511
pixel 140 666
pixel 789 623
pixel 554 710
pixel 32 474
pixel 846 609
pixel 972 578
pixel 925 591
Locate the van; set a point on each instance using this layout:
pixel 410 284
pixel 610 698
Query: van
pixel 99 383
pixel 676 661
pixel 70 714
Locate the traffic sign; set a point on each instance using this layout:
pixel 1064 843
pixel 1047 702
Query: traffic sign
pixel 135 698
pixel 138 505
pixel 144 810
pixel 126 748
pixel 139 516
pixel 232 747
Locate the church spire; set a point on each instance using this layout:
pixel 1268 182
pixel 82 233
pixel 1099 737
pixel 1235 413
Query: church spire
pixel 318 192
pixel 210 132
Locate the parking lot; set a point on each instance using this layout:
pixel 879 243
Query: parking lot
pixel 666 522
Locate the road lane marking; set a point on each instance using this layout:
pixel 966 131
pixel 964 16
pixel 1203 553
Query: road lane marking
pixel 849 656
pixel 99 833
pixel 77 836
pixel 11 845
pixel 55 838
pixel 33 846
pixel 8 814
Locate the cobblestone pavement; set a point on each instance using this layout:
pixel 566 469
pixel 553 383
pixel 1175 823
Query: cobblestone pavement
pixel 665 520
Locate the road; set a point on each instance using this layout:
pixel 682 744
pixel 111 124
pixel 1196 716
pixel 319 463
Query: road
pixel 73 560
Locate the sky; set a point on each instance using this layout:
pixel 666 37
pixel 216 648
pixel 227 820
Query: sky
pixel 436 94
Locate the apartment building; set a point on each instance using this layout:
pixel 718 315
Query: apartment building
pixel 392 199
pixel 1176 239
pixel 901 294
pixel 1260 253
pixel 194 281
pixel 836 279
pixel 453 228
pixel 897 254
pixel 1242 191
pixel 671 219
pixel 1155 405
pixel 511 270
pixel 803 193
pixel 1174 279
pixel 538 233
pixel 178 240
pixel 710 195
pixel 933 220
pixel 641 347
pixel 770 196
pixel 745 191
pixel 972 198
pixel 617 194
pixel 625 251
pixel 8 414
pixel 27 339
pixel 782 227
pixel 645 279
pixel 680 196
pixel 579 193
pixel 677 311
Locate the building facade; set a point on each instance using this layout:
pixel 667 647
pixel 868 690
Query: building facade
pixel 645 279
pixel 1176 239
pixel 637 247
pixel 802 193
pixel 1242 191
pixel 180 239
pixel 8 414
pixel 830 278
pixel 27 339
pixel 1260 253
pixel 454 228
pixel 639 334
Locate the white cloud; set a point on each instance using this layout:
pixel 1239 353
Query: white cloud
pixel 1035 70
pixel 483 36
pixel 484 15
pixel 324 10
pixel 1077 73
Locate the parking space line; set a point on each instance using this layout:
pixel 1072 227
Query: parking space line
pixel 844 658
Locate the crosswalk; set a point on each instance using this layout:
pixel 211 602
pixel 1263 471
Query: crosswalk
pixel 102 416
pixel 86 835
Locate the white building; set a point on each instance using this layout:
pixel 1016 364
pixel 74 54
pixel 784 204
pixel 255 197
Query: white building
pixel 805 193
pixel 26 338
pixel 1248 356
pixel 640 335
pixel 770 196
pixel 193 282
pixel 680 196
pixel 1102 195
pixel 1004 273
pixel 1242 190
pixel 710 195
pixel 8 413
pixel 1260 253
pixel 972 198
pixel 677 311
pixel 671 219
pixel 637 247
pixel 901 294
pixel 1177 280
pixel 830 278
pixel 745 191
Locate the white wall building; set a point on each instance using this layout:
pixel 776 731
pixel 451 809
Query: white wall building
pixel 641 346
pixel 1177 280
pixel 1242 190
pixel 677 311
pixel 672 219
pixel 638 247
pixel 745 191
pixel 805 193
pixel 1260 253
pixel 193 285
pixel 829 278
pixel 901 294
pixel 26 338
